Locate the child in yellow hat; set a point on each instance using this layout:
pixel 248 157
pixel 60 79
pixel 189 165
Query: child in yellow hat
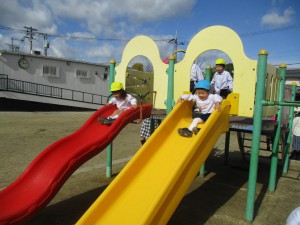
pixel 222 80
pixel 121 99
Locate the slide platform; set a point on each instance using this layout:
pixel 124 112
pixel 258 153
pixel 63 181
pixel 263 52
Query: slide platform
pixel 152 184
pixel 46 174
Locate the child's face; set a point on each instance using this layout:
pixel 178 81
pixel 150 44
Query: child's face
pixel 219 68
pixel 202 94
pixel 116 94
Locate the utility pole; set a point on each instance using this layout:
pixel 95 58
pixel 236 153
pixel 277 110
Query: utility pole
pixel 13 47
pixel 175 42
pixel 29 35
pixel 46 44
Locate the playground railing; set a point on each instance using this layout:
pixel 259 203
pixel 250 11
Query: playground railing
pixel 25 87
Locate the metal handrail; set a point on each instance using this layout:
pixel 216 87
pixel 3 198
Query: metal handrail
pixel 8 84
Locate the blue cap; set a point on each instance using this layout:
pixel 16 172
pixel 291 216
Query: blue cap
pixel 203 84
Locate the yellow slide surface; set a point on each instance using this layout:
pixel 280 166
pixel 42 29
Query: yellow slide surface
pixel 152 184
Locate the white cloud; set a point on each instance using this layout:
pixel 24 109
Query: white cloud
pixel 276 2
pixel 60 48
pixel 275 19
pixel 81 35
pixel 149 11
pixel 17 15
pixel 107 17
pixel 105 52
pixel 165 48
pixel 90 18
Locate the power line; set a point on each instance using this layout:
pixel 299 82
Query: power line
pixel 279 29
pixel 290 64
pixel 173 41
pixel 87 38
pixel 250 34
pixel 74 37
pixel 262 32
pixel 11 29
pixel 97 38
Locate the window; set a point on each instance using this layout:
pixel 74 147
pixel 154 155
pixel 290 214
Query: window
pixel 50 71
pixel 82 73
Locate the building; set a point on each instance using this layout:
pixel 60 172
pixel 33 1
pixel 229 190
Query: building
pixel 52 82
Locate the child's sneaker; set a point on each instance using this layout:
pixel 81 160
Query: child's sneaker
pixel 108 121
pixel 196 130
pixel 185 132
pixel 101 119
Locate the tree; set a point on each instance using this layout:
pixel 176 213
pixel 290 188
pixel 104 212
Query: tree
pixel 138 66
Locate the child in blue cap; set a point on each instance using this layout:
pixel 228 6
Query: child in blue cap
pixel 205 101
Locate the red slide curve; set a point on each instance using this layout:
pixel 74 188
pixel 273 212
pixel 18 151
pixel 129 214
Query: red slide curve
pixel 47 173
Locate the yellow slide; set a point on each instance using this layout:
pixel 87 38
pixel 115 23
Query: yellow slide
pixel 152 184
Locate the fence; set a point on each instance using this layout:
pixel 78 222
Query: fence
pixel 12 85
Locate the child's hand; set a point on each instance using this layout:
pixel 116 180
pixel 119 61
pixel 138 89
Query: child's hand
pixel 179 100
pixel 134 106
pixel 217 106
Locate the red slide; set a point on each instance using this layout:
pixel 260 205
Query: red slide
pixel 46 174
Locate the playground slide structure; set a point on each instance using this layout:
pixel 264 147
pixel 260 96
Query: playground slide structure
pixel 46 174
pixel 152 184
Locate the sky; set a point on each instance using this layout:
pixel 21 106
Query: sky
pixel 98 30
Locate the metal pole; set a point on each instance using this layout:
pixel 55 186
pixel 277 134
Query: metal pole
pixel 281 103
pixel 110 146
pixel 208 73
pixel 274 159
pixel 46 44
pixel 258 109
pixel 227 142
pixel 207 77
pixel 170 96
pixel 289 135
pixel 30 36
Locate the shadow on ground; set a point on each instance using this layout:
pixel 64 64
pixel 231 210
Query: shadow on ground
pixel 215 191
pixel 223 189
pixel 68 211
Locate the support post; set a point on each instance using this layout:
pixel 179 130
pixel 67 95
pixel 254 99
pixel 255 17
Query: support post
pixel 208 73
pixel 170 96
pixel 289 135
pixel 258 109
pixel 274 159
pixel 109 147
pixel 207 78
pixel 227 142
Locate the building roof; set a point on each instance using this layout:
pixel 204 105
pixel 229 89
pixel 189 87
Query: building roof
pixel 50 57
pixel 292 73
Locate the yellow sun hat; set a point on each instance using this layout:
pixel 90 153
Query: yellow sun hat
pixel 116 86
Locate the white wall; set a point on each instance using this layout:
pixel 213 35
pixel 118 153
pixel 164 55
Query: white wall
pixel 96 84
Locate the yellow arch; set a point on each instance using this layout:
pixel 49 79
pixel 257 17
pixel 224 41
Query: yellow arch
pixel 226 40
pixel 212 38
pixel 145 46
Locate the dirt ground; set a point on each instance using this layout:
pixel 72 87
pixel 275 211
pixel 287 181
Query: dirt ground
pixel 24 135
pixel 218 198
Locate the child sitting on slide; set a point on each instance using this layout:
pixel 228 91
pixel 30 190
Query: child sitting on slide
pixel 121 99
pixel 205 101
